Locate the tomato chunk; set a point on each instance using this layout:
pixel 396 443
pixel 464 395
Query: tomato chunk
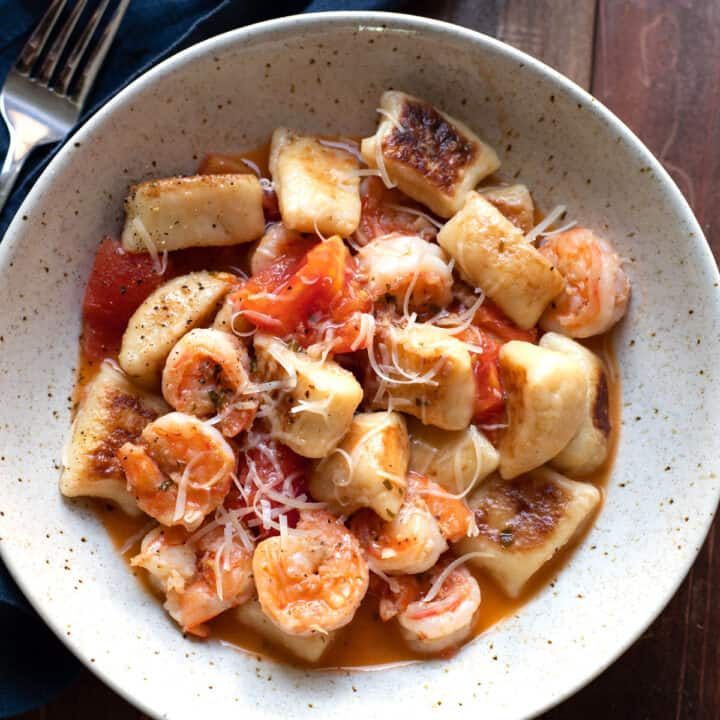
pixel 306 300
pixel 382 213
pixel 489 394
pixel 491 318
pixel 118 284
pixel 268 473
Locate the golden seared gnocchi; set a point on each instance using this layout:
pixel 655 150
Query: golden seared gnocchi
pixel 364 421
pixel 491 253
pixel 367 469
pixel 113 412
pixel 172 310
pixel 317 184
pixel 545 405
pixel 309 648
pixel 514 202
pixel 199 211
pixel 522 523
pixel 428 154
pixel 424 372
pixel 588 449
pixel 315 400
pixel 457 460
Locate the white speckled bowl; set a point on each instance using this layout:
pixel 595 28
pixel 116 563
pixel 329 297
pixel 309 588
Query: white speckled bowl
pixel 325 73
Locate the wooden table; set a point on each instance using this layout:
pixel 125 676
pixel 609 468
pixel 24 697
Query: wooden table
pixel 656 64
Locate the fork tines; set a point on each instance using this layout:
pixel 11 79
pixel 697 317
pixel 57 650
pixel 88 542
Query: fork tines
pixel 42 71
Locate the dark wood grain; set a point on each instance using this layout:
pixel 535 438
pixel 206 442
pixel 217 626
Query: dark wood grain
pixel 656 64
pixel 558 32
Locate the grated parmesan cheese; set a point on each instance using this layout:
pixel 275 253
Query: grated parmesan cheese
pixel 443 576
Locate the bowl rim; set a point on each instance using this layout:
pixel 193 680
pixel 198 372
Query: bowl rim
pixel 375 20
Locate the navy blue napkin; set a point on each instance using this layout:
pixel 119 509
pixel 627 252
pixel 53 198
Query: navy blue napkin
pixel 34 666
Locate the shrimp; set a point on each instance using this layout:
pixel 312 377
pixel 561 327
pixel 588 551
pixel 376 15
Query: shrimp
pixel 453 516
pixel 413 271
pixel 276 241
pixel 206 374
pixel 200 579
pixel 597 290
pixel 410 543
pixel 433 619
pixel 312 580
pixel 180 471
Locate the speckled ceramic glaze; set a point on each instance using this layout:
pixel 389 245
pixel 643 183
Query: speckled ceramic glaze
pixel 325 73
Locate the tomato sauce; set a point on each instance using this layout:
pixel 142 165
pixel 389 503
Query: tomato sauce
pixel 367 642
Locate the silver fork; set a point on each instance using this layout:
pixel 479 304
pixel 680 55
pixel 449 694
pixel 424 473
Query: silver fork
pixel 38 111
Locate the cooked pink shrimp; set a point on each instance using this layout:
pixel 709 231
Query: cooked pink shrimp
pixel 180 471
pixel 436 610
pixel 597 290
pixel 410 543
pixel 202 578
pixel 276 241
pixel 313 579
pixel 454 517
pixel 413 271
pixel 205 375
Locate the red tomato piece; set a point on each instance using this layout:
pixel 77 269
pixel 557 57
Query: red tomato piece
pixel 321 289
pixel 491 318
pixel 118 284
pixel 379 217
pixel 258 296
pixel 98 342
pixel 489 392
pixel 262 474
pixel 270 203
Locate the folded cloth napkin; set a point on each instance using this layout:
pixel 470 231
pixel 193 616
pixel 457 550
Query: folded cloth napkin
pixel 34 666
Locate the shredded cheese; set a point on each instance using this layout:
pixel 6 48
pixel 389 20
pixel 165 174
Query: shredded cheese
pixel 392 583
pixel 284 357
pixel 418 213
pixel 353 245
pixel 409 292
pixel 253 166
pixel 348 146
pixel 142 233
pixel 380 162
pixel 233 317
pixel 345 455
pixel 315 407
pixel 455 323
pixel 443 576
pixel 406 378
pixel 476 440
pixel 218 574
pixel 366 329
pixel 163 263
pixel 181 499
pixel 238 271
pixel 539 230
pixel 317 231
pixel 136 537
pixel 392 119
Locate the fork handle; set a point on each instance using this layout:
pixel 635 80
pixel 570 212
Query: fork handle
pixel 14 160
